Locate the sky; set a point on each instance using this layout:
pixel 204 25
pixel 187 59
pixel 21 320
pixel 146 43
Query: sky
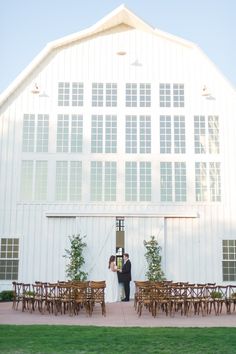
pixel 26 26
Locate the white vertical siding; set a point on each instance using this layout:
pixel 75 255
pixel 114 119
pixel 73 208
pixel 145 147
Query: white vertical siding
pixel 100 238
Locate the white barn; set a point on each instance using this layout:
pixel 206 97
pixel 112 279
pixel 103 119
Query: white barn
pixel 118 132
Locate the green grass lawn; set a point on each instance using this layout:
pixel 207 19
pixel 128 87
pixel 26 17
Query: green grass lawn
pixel 81 339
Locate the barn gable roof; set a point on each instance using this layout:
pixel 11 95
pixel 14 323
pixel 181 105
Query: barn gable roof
pixel 120 16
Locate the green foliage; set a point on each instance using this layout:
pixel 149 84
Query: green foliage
pixel 6 295
pixel 76 259
pixel 216 295
pixel 153 258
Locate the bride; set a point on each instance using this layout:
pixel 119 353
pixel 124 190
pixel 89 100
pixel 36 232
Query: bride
pixel 112 286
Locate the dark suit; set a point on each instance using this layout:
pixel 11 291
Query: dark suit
pixel 125 277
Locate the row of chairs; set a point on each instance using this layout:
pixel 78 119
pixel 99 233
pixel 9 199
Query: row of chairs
pixel 61 297
pixel 170 297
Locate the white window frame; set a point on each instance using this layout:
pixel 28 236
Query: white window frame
pixel 229 260
pixel 9 259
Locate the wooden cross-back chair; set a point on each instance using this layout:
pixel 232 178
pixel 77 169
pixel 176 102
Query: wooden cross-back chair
pixel 51 298
pixel 97 295
pixel 66 297
pixel 81 295
pixel 17 294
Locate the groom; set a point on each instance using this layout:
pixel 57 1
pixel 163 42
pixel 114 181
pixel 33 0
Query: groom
pixel 125 276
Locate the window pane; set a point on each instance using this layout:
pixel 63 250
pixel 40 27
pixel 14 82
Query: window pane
pixel 145 134
pixel 77 94
pixel 75 180
pixel 131 181
pixel 165 95
pixel 166 181
pixel 97 134
pixel 63 93
pixel 26 191
pixel 111 134
pixel 63 133
pixel 28 133
pixel 165 134
pixel 131 134
pixel 96 181
pixel 76 133
pixel 110 181
pixel 61 180
pixel 41 174
pixel 42 133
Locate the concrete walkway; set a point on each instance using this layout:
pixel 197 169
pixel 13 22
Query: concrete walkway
pixel 120 314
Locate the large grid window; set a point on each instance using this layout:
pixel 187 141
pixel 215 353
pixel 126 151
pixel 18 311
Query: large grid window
pixel 173 181
pixel 69 133
pixel 63 93
pixel 180 182
pixel 165 134
pixel 229 260
pixel 165 95
pixel 70 93
pixel 97 94
pixel 68 181
pixel 166 181
pixel 145 95
pixel 133 130
pixel 177 126
pixel 138 181
pixel 145 181
pixel 9 259
pixel 178 95
pixel 34 175
pixel 111 95
pixel 97 134
pixel 96 180
pixel 103 180
pixel 179 135
pixel 135 92
pixel 35 133
pixel 206 135
pixel 77 94
pixel 208 181
pixel 131 181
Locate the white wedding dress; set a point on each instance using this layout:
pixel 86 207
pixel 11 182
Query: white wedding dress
pixel 112 291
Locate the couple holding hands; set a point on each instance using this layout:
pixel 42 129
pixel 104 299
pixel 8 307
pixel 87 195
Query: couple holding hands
pixel 118 276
